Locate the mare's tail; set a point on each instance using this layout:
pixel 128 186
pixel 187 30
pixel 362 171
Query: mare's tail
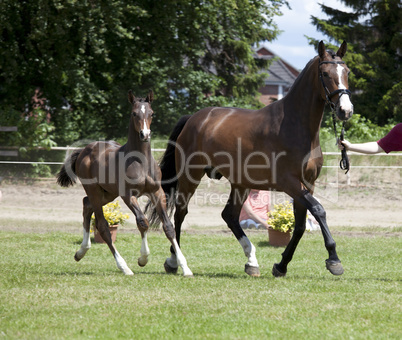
pixel 67 175
pixel 169 175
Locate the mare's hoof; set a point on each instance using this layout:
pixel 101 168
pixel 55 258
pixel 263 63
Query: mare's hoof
pixel 276 272
pixel 334 267
pixel 76 257
pixel 252 271
pixel 169 269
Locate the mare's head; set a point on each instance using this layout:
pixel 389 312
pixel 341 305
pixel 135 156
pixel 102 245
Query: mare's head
pixel 334 78
pixel 141 115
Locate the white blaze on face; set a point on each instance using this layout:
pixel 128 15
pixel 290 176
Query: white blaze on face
pixel 344 101
pixel 145 129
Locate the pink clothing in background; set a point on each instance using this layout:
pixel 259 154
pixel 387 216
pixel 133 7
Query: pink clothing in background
pixel 260 201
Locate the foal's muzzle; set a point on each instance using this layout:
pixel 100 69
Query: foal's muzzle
pixel 145 135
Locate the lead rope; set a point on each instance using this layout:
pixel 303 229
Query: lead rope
pixel 344 163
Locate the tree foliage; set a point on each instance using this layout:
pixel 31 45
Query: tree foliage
pixel 373 30
pixel 85 55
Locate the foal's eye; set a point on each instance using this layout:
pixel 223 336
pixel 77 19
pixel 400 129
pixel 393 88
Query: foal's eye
pixel 325 74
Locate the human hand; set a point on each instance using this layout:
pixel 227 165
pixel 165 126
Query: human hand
pixel 342 144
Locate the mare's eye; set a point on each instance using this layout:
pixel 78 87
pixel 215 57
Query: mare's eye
pixel 325 74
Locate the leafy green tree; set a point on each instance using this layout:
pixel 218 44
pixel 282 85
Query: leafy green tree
pixel 373 30
pixel 85 55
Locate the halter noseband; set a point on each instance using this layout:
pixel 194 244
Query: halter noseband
pixel 329 95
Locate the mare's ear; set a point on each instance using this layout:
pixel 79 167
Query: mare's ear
pixel 342 50
pixel 321 50
pixel 150 97
pixel 131 97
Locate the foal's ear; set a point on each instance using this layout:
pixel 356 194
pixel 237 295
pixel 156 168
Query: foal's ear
pixel 321 50
pixel 131 97
pixel 150 97
pixel 342 50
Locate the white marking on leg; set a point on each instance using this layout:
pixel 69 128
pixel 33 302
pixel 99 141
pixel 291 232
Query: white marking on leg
pixel 249 251
pixel 344 101
pixel 85 245
pixel 181 260
pixel 143 260
pixel 121 264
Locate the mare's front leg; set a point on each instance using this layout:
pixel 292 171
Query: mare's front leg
pixel 143 226
pixel 300 213
pixel 159 201
pixel 86 241
pixel 306 199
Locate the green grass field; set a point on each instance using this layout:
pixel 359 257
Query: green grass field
pixel 45 294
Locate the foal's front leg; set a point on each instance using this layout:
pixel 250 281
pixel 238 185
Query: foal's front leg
pixel 142 224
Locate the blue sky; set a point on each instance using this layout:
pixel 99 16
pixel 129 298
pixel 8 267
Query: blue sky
pixel 291 44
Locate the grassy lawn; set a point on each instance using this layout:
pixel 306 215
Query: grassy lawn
pixel 45 294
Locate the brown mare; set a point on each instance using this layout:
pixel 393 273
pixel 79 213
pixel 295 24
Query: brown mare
pixel 275 148
pixel 108 170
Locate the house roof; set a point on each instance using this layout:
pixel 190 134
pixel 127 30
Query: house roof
pixel 280 72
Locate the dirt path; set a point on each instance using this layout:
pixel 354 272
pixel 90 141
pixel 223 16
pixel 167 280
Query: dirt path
pixel 47 207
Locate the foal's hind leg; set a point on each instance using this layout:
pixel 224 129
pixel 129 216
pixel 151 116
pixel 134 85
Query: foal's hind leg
pixel 86 242
pixel 231 215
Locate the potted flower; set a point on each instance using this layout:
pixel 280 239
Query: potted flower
pixel 114 217
pixel 282 223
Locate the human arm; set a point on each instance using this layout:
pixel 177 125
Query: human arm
pixel 255 217
pixel 368 148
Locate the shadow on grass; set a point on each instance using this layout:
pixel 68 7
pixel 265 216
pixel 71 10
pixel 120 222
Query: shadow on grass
pixel 265 244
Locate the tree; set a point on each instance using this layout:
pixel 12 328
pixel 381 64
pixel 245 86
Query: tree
pixel 85 55
pixel 373 30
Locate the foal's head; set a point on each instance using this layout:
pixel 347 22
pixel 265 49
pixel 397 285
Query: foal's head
pixel 334 78
pixel 141 115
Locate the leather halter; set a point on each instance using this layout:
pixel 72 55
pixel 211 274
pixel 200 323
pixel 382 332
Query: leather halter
pixel 329 95
pixel 344 163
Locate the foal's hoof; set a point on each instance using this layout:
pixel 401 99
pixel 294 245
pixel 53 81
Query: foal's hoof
pixel 142 262
pixel 334 267
pixel 76 257
pixel 169 269
pixel 276 272
pixel 252 271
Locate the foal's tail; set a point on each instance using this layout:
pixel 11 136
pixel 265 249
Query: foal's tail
pixel 169 175
pixel 67 175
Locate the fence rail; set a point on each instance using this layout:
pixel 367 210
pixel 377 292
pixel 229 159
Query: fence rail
pixel 65 148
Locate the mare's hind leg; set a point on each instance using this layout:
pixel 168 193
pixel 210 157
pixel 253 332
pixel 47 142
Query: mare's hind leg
pixel 159 201
pixel 231 215
pixel 187 185
pixel 142 224
pixel 86 241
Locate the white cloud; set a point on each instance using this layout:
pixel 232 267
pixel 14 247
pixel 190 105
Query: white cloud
pixel 292 44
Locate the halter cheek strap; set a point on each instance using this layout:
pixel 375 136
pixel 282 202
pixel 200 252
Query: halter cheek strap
pixel 329 95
